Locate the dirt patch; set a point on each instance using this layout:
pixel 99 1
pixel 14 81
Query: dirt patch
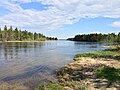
pixel 82 72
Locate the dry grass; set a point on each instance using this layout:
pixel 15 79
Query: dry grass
pixel 83 72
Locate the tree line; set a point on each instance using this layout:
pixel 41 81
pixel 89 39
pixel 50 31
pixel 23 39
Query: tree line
pixel 10 34
pixel 111 37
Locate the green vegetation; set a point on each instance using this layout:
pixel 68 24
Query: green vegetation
pixel 112 37
pixel 109 53
pixel 10 34
pixel 71 78
pixel 50 86
pixel 110 73
pixel 91 70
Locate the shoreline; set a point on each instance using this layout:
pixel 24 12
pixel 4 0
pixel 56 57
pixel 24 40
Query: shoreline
pixel 27 41
pixel 92 71
pixel 81 73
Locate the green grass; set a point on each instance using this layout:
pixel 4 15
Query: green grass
pixel 110 53
pixel 61 86
pixel 74 85
pixel 50 86
pixel 109 73
pixel 71 78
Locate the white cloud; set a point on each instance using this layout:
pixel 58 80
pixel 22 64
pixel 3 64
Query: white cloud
pixel 116 24
pixel 60 12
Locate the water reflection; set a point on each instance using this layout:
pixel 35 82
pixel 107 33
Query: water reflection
pixel 21 60
pixel 10 51
pixel 88 46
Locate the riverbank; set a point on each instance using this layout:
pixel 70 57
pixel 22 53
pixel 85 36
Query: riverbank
pixel 92 71
pixel 29 41
pixel 69 77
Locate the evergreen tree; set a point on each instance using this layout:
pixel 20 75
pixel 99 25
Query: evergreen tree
pixel 0 34
pixel 10 33
pixel 118 38
pixel 96 37
pixel 30 35
pixel 16 34
pixel 5 35
pixel 20 33
pixel 36 36
pixel 25 35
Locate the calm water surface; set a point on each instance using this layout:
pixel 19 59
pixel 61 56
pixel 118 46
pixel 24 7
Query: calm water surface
pixel 37 61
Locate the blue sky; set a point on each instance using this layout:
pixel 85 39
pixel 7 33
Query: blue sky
pixel 34 5
pixel 88 25
pixel 60 18
pixel 3 11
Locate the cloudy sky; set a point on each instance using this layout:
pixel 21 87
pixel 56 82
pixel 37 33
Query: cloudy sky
pixel 61 18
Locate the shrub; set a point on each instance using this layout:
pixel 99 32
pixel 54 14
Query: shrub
pixel 109 73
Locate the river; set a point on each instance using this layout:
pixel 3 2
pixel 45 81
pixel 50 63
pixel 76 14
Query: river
pixel 37 61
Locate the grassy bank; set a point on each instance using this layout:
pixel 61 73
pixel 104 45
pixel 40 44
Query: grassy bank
pixel 99 70
pixel 92 71
pixel 108 54
pixel 50 86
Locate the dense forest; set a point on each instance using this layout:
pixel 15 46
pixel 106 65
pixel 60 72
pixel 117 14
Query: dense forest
pixel 111 37
pixel 10 34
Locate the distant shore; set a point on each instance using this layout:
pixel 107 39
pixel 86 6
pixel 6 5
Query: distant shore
pixel 29 41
